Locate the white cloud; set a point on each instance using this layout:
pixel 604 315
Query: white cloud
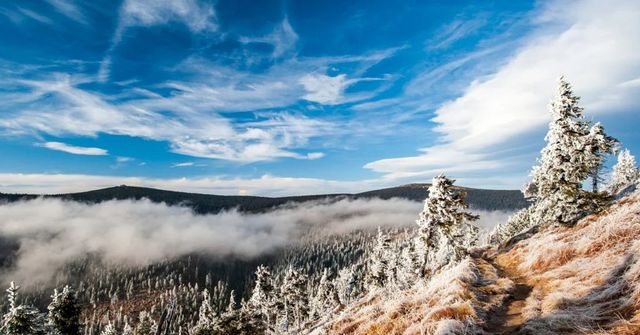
pixel 266 185
pixel 74 149
pixel 455 31
pixel 197 16
pixel 283 39
pixel 58 106
pixel 184 164
pixel 589 41
pixel 324 89
pixel 69 9
pixel 315 155
pixel 189 117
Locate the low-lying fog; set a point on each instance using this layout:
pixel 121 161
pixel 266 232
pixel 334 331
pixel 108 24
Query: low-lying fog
pixel 52 232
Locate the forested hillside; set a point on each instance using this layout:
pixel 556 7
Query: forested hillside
pixel 208 203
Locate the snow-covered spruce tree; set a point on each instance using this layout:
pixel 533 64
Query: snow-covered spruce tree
pixel 326 296
pixel 126 329
pixel 262 300
pixel 295 300
pixel 349 284
pixel 207 321
pixel 409 265
pixel 625 173
pixel 109 329
pixel 228 321
pixel 247 321
pixel 64 312
pixel 378 262
pixel 146 325
pixel 573 151
pixel 21 319
pixel 445 229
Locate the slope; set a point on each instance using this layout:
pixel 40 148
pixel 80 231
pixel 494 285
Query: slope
pixel 579 280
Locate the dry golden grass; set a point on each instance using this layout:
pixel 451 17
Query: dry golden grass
pixel 455 300
pixel 585 279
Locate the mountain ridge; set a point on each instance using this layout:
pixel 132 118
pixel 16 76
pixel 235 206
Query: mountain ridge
pixel 204 203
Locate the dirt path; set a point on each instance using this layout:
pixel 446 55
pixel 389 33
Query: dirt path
pixel 508 318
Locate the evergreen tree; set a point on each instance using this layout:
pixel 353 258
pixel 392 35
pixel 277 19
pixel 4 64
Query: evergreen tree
pixel 378 262
pixel 247 322
pixel 625 172
pixel 445 230
pixel 326 297
pixel 109 329
pixel 572 152
pixel 348 284
pixel 295 300
pixel 228 322
pixel 409 265
pixel 262 299
pixel 21 319
pixel 146 325
pixel 207 321
pixel 64 312
pixel 127 330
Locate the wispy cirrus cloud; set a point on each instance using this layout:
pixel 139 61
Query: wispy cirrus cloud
pixel 512 102
pixel 58 106
pixel 70 9
pixel 455 31
pixel 197 16
pixel 283 39
pixel 72 149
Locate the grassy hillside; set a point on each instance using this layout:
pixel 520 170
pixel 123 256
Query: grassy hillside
pixel 579 280
pixel 209 203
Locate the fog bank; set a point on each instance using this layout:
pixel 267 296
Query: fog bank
pixel 52 232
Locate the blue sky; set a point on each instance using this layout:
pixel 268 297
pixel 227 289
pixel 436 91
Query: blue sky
pixel 299 97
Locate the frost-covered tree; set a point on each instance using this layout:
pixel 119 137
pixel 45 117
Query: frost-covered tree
pixel 126 329
pixel 295 300
pixel 407 273
pixel 207 321
pixel 349 284
pixel 445 229
pixel 246 322
pixel 262 299
pixel 21 319
pixel 64 312
pixel 573 151
pixel 146 325
pixel 109 329
pixel 326 296
pixel 377 272
pixel 625 172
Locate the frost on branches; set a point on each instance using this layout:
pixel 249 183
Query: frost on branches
pixel 625 172
pixel 445 230
pixel 574 149
pixel 21 319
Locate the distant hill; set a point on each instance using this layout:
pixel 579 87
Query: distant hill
pixel 210 203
